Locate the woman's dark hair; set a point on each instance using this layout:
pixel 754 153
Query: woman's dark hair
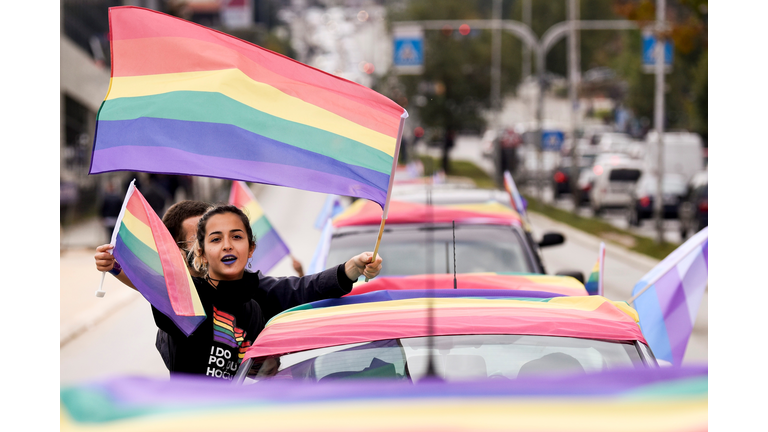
pixel 213 211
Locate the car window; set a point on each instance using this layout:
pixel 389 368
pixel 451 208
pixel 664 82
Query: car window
pixel 479 248
pixel 455 358
pixel 624 174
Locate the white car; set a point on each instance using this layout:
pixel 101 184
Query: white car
pixel 614 181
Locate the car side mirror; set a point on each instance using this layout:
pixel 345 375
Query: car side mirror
pixel 579 276
pixel 551 239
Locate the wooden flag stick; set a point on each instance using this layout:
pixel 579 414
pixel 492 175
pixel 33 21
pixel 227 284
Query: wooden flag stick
pixel 391 182
pixel 378 241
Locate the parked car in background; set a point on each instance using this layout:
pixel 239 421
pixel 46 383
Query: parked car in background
pixel 564 171
pixel 418 238
pixel 694 209
pixel 642 203
pixel 615 177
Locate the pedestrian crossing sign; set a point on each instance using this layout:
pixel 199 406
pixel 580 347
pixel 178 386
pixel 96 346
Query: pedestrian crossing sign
pixel 409 50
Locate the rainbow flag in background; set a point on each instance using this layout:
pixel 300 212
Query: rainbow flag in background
pixel 594 283
pixel 331 208
pixel 151 260
pixel 517 200
pixel 667 298
pixel 187 99
pixel 270 248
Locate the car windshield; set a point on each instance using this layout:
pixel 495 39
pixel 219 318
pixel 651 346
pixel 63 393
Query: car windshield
pixel 406 251
pixel 455 358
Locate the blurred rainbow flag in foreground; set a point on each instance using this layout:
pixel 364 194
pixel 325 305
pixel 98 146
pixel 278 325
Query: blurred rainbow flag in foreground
pixel 594 283
pixel 270 248
pixel 151 260
pixel 667 298
pixel 633 400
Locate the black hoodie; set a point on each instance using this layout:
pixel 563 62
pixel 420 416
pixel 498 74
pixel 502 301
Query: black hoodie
pixel 236 312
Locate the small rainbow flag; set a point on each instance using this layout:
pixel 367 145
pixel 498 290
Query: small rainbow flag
pixel 151 260
pixel 187 99
pixel 594 283
pixel 514 194
pixel 270 248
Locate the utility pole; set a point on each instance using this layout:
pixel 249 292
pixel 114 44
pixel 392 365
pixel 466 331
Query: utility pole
pixel 496 62
pixel 659 116
pixel 526 48
pixel 573 81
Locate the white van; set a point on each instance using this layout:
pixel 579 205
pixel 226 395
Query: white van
pixel 683 153
pixel 615 177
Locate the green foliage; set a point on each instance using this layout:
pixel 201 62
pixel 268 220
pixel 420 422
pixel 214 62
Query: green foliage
pixel 459 169
pixel 604 230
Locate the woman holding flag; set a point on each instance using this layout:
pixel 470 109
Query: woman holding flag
pixel 237 302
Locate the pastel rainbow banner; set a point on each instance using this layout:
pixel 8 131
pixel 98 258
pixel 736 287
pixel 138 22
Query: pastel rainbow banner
pixel 150 258
pixel 594 283
pixel 400 212
pixel 668 297
pixel 562 285
pixel 353 320
pixel 628 400
pixel 270 248
pixel 187 99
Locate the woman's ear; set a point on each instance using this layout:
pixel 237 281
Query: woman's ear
pixel 252 248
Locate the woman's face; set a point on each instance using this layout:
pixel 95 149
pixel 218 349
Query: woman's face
pixel 227 248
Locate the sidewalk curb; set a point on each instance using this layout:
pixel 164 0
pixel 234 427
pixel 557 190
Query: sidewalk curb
pixel 94 317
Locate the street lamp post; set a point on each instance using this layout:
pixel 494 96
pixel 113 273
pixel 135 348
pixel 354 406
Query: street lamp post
pixel 659 118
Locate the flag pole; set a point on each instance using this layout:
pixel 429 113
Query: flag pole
pixel 100 292
pixel 391 182
pixel 631 301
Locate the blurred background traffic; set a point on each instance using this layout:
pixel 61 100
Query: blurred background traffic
pixel 567 109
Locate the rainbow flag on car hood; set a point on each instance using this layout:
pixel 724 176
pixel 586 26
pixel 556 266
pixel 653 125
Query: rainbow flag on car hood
pixel 400 212
pixel 270 248
pixel 353 320
pixel 563 285
pixel 150 258
pixel 186 99
pixel 673 399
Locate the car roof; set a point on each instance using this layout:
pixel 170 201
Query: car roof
pixel 447 193
pixel 364 212
pixel 353 319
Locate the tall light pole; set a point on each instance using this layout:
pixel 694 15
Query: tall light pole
pixel 573 82
pixel 659 117
pixel 496 62
pixel 526 48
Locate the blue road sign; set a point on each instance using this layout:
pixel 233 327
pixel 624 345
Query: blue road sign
pixel 649 52
pixel 409 51
pixel 552 140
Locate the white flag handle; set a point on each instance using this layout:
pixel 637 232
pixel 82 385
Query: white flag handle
pixel 100 292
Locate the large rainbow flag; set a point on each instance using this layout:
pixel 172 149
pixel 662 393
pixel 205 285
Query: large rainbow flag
pixel 366 318
pixel 270 248
pixel 628 400
pixel 186 99
pixel 150 258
